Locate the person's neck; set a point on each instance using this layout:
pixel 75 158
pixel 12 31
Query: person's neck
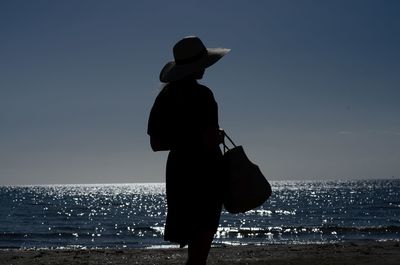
pixel 186 81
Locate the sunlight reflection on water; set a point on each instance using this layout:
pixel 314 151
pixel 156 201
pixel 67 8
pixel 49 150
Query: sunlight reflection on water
pixel 133 215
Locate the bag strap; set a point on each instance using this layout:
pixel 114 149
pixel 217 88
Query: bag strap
pixel 226 148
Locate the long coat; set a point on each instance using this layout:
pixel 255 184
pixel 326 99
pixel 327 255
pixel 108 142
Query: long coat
pixel 181 113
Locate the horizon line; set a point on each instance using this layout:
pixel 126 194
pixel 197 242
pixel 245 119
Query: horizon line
pixel 163 183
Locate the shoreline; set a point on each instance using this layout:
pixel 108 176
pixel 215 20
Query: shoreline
pixel 277 254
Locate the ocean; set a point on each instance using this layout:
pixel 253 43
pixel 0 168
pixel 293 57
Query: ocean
pixel 133 215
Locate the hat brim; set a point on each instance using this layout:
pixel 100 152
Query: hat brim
pixel 173 72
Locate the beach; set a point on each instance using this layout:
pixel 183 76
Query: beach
pixel 322 254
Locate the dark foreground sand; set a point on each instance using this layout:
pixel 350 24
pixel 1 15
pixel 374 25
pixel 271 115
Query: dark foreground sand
pixel 347 253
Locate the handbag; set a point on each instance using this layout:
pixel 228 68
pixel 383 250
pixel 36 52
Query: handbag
pixel 245 186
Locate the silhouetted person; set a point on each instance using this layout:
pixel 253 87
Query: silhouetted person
pixel 184 120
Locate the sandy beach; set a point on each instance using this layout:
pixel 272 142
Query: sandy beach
pixel 346 253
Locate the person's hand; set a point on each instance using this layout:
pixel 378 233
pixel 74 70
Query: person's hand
pixel 221 136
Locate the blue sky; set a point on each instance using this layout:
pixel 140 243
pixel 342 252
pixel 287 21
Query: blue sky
pixel 310 88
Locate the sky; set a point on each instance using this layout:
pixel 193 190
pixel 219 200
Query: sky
pixel 311 89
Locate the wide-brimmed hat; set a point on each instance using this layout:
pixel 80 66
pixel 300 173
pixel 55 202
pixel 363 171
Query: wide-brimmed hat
pixel 190 56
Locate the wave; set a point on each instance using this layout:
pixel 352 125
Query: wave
pixel 301 230
pixel 71 232
pixel 225 235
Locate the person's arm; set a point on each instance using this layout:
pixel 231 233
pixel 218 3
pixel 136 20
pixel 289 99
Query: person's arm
pixel 212 135
pixel 156 126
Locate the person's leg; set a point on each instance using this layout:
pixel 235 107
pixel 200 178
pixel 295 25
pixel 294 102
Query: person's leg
pixel 199 247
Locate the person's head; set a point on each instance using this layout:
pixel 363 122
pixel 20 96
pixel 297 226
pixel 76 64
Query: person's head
pixel 191 58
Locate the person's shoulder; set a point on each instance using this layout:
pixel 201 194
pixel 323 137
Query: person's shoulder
pixel 164 91
pixel 205 90
pixel 201 86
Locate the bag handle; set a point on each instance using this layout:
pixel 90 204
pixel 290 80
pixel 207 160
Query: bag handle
pixel 226 148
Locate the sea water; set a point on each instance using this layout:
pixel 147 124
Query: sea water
pixel 133 215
